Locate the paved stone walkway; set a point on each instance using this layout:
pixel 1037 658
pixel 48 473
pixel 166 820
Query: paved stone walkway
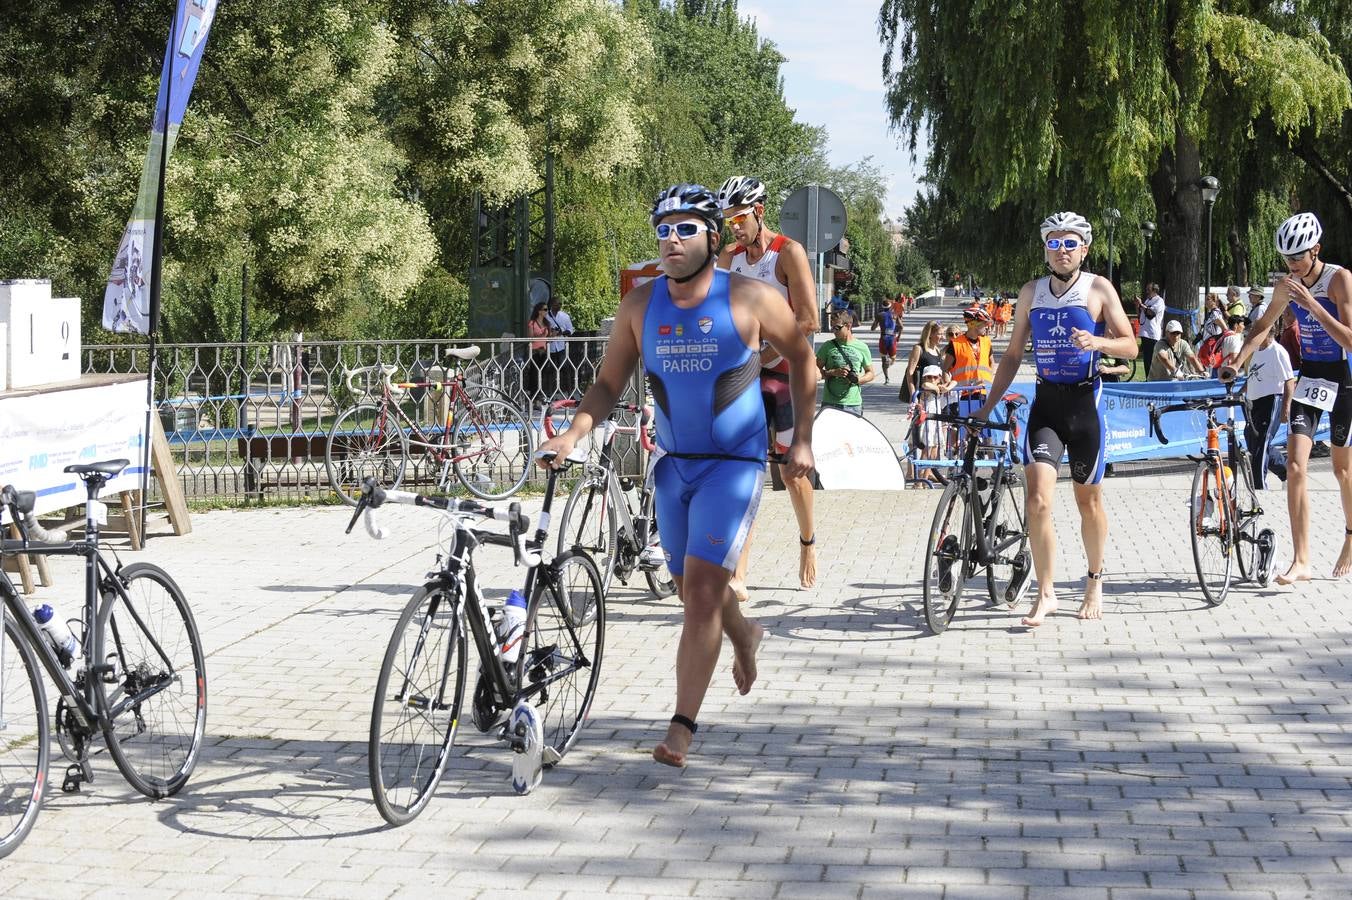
pixel 1171 750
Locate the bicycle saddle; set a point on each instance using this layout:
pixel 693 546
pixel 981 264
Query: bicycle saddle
pixel 108 468
pixel 465 353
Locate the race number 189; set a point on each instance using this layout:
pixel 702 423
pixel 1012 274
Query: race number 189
pixel 1316 392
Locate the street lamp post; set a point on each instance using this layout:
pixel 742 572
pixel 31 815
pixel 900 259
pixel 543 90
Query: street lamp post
pixel 1111 215
pixel 1211 188
pixel 1147 231
pixel 934 273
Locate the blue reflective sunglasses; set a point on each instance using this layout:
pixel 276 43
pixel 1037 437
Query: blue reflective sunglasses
pixel 1058 243
pixel 684 230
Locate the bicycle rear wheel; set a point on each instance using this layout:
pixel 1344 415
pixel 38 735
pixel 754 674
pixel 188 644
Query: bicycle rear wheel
pixel 24 738
pixel 568 635
pixel 155 697
pixel 590 522
pixel 1008 577
pixel 946 554
pixel 364 442
pixel 491 447
pixel 1210 527
pixel 417 704
pixel 1246 504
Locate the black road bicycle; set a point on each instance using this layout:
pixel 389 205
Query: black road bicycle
pixel 537 704
pixel 137 675
pixel 979 524
pixel 1225 519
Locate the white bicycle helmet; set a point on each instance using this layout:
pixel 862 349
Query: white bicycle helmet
pixel 1068 221
pixel 740 190
pixel 1298 234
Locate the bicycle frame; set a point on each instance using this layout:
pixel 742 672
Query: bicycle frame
pixel 986 550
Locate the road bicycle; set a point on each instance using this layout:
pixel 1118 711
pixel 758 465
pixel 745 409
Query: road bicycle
pixel 613 517
pixel 484 440
pixel 536 703
pixel 979 524
pixel 1225 519
pixel 136 675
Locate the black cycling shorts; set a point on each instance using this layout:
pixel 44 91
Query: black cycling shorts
pixel 1067 418
pixel 1305 418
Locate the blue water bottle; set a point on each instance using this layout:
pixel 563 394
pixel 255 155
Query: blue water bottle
pixel 511 627
pixel 62 641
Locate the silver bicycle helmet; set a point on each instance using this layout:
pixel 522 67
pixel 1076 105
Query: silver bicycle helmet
pixel 688 198
pixel 1068 221
pixel 740 190
pixel 1298 234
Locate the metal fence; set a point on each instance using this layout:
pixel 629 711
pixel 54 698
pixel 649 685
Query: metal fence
pixel 215 401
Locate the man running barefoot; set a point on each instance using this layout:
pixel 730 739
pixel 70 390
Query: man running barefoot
pixel 889 329
pixel 1073 317
pixel 1320 296
pixel 698 331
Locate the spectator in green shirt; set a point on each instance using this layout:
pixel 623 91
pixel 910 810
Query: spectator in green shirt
pixel 845 363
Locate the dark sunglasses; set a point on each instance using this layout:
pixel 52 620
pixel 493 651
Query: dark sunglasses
pixel 1058 243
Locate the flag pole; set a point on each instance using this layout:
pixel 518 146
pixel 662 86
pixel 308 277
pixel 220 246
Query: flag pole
pixel 156 260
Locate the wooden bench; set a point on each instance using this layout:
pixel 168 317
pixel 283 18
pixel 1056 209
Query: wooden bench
pixel 262 450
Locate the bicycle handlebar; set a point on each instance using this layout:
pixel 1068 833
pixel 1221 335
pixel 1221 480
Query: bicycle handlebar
pixel 20 505
pixel 646 416
pixel 1202 404
pixel 970 421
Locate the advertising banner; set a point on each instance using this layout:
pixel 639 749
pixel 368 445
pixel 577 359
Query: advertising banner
pixel 41 434
pixel 126 299
pixel 853 455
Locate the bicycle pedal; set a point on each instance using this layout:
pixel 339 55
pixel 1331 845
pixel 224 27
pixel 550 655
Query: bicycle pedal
pixel 76 775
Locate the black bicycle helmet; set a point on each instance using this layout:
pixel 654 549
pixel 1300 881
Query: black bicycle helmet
pixel 688 198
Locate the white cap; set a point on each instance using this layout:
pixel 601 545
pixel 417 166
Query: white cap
pixel 931 372
pixel 1172 327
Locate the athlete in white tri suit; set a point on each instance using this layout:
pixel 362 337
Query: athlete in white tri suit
pixel 698 331
pixel 759 253
pixel 1073 317
pixel 1321 294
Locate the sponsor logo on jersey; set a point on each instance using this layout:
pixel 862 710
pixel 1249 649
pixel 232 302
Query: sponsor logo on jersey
pixel 664 330
pixel 706 324
pixel 680 330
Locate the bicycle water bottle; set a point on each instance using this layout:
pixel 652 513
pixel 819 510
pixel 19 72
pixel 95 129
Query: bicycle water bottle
pixel 58 634
pixel 511 627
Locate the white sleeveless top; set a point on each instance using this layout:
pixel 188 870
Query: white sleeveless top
pixel 763 269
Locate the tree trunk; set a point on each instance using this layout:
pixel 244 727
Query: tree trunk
pixel 1239 252
pixel 1304 149
pixel 1178 203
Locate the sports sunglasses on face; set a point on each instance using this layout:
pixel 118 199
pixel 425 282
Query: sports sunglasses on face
pixel 683 230
pixel 1058 243
pixel 1294 257
pixel 741 217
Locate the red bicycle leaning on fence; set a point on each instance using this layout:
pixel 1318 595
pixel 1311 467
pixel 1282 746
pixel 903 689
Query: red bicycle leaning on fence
pixel 485 442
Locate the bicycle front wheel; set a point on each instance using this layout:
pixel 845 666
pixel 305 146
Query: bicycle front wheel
pixel 364 442
pixel 946 554
pixel 24 738
pixel 590 522
pixel 491 449
pixel 417 704
pixel 1210 526
pixel 568 636
pixel 1250 522
pixel 1008 576
pixel 155 697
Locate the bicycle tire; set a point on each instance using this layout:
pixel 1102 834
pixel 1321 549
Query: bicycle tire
pixel 364 443
pixel 1010 542
pixel 1246 541
pixel 137 637
pixel 591 522
pixel 24 744
pixel 660 581
pixel 568 636
pixel 405 775
pixel 1211 549
pixel 946 554
pixel 492 446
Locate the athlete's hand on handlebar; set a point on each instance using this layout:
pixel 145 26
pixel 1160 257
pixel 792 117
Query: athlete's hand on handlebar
pixel 1227 374
pixel 552 453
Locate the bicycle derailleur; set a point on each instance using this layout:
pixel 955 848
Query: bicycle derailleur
pixel 74 738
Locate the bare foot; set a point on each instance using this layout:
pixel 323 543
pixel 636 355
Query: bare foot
pixel 1294 574
pixel 1091 607
pixel 1042 608
pixel 807 565
pixel 1344 564
pixel 739 590
pixel 744 663
pixel 672 751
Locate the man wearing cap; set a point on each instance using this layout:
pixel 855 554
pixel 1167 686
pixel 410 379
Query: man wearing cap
pixel 1072 317
pixel 1174 357
pixel 1258 303
pixel 967 360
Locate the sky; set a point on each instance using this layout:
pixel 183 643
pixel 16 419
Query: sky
pixel 833 78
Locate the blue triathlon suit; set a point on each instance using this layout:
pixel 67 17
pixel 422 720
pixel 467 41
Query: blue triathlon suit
pixel 1323 357
pixel 1067 413
pixel 887 341
pixel 710 423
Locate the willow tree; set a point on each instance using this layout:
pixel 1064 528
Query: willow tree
pixel 1043 104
